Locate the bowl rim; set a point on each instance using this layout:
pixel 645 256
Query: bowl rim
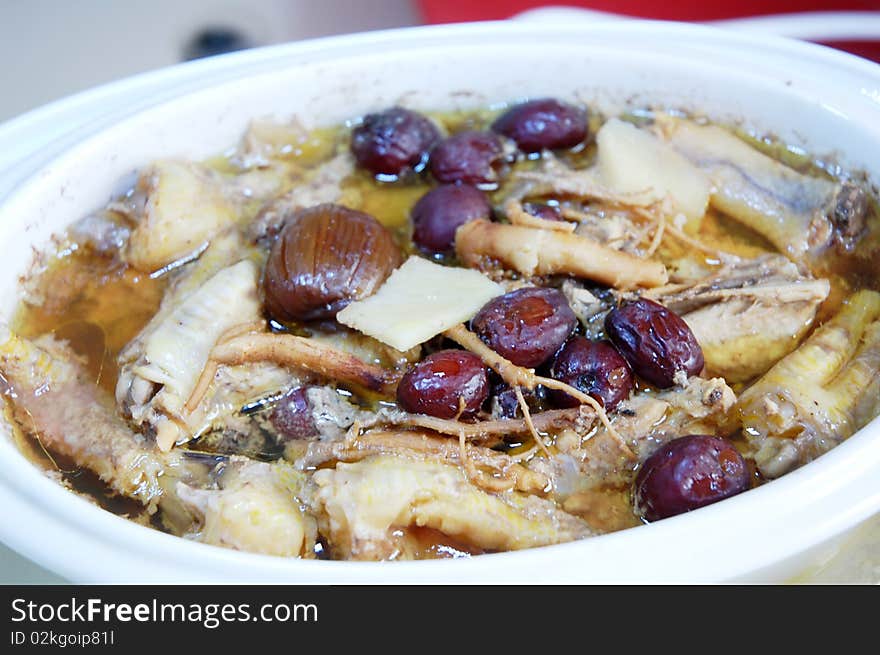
pixel 119 547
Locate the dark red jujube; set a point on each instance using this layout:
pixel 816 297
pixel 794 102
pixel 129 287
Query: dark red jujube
pixel 446 384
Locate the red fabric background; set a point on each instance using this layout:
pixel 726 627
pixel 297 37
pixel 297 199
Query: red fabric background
pixel 454 11
pixel 450 11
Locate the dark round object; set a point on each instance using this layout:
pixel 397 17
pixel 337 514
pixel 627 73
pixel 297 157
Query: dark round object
pixel 526 326
pixel 438 385
pixel 655 341
pixel 595 368
pixel 467 158
pixel 215 41
pixel 438 214
pixel 393 141
pixel 325 257
pixel 292 415
pixel 687 473
pixel 503 401
pixel 542 210
pixel 545 124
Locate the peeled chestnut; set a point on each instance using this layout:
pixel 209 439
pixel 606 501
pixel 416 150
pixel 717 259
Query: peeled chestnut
pixel 325 257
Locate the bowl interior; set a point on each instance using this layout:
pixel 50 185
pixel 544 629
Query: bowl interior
pixel 818 100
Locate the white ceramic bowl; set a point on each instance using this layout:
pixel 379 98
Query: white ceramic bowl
pixel 821 100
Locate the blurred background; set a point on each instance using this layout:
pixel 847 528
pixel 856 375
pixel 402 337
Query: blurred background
pixel 62 47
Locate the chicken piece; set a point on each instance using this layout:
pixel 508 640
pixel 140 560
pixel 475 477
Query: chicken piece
pixel 254 510
pixel 747 316
pixel 160 368
pixel 268 141
pixel 184 208
pixel 323 185
pixel 796 213
pixel 360 505
pixel 183 281
pixel 533 251
pixel 612 228
pixel 251 189
pixel 53 399
pixel 819 395
pixel 697 405
pixel 105 232
pixel 177 349
pixel 274 157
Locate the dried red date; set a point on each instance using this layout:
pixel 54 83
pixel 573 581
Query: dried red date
pixel 656 342
pixel 438 214
pixel 593 367
pixel 526 326
pixel 467 158
pixel 393 141
pixel 446 384
pixel 544 124
pixel 688 473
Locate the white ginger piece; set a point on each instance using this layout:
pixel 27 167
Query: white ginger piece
pixel 418 301
pixel 632 160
